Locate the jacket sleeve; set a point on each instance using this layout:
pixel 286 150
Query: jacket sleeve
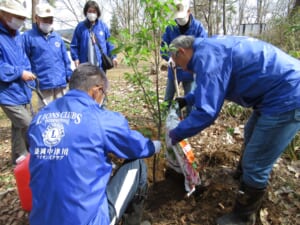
pixel 66 60
pixel 122 141
pixel 166 40
pixel 212 81
pixel 109 45
pixel 200 31
pixel 26 44
pixel 10 72
pixel 75 44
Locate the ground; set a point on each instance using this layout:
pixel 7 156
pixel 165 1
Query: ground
pixel 217 150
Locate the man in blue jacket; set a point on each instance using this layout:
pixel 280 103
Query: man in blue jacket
pixel 88 35
pixel 15 72
pixel 70 142
pixel 186 24
pixel 48 55
pixel 251 73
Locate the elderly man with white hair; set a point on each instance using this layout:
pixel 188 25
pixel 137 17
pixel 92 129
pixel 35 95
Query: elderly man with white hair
pixel 15 72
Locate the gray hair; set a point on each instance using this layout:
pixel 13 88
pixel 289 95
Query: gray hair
pixel 182 41
pixel 87 76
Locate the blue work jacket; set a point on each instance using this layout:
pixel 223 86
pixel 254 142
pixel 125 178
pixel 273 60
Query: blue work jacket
pixel 70 140
pixel 48 57
pixel 195 29
pixel 13 61
pixel 247 71
pixel 79 45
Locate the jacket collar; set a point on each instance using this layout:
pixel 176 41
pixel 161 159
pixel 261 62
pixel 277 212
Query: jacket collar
pixel 5 29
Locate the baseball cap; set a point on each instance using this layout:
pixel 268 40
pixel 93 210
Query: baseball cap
pixel 44 10
pixel 182 7
pixel 14 7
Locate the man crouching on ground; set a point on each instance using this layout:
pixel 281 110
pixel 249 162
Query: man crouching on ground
pixel 70 140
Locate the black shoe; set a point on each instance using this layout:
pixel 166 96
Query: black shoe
pixel 247 204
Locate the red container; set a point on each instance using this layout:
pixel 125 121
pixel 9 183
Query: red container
pixel 22 176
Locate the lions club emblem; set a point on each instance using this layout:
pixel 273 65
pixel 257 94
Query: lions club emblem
pixel 53 134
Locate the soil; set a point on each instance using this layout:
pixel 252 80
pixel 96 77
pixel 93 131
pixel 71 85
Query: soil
pixel 217 152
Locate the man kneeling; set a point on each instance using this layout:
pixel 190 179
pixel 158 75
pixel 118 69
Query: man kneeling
pixel 70 140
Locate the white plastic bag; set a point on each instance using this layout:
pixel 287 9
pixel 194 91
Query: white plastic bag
pixel 180 157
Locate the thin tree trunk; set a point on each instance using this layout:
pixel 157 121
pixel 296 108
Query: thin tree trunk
pixel 259 11
pixel 217 16
pixel 224 17
pixel 209 19
pixel 295 8
pixel 195 8
pixel 33 3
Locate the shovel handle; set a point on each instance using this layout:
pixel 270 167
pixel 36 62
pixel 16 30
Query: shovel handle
pixel 176 87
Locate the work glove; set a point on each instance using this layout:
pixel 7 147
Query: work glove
pixel 169 142
pixel 181 102
pixel 173 137
pixel 171 63
pixel 157 146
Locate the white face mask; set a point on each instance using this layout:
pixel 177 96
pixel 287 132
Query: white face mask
pixel 15 23
pixel 91 16
pixel 183 21
pixel 46 27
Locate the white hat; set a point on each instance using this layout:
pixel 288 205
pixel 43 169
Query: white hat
pixel 182 7
pixel 14 7
pixel 44 10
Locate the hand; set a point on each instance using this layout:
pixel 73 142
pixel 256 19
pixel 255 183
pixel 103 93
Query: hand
pixel 76 63
pixel 157 146
pixel 27 76
pixel 115 61
pixel 171 63
pixel 173 137
pixel 181 102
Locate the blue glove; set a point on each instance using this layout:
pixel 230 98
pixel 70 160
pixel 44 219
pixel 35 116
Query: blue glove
pixel 173 137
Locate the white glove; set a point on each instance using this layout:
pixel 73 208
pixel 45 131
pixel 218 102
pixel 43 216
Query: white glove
pixel 171 63
pixel 169 142
pixel 157 146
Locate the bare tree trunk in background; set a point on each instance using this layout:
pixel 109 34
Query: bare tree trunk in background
pixel 33 4
pixel 259 11
pixel 209 22
pixel 224 17
pixel 71 7
pixel 128 16
pixel 135 16
pixel 195 8
pixel 201 11
pixel 217 16
pixel 242 4
pixel 295 8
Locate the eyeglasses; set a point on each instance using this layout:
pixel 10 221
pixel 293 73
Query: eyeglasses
pixel 105 99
